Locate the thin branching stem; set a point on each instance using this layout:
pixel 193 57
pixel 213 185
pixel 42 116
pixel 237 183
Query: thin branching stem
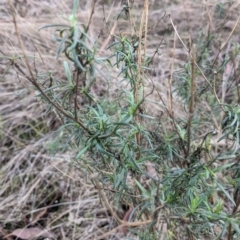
pixel 227 41
pixel 91 14
pixel 76 95
pixel 192 96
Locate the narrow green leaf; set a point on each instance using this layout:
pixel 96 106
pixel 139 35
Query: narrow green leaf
pixel 75 7
pixel 234 121
pixel 76 61
pixel 143 190
pixel 54 25
pixel 76 36
pixel 225 192
pixel 102 151
pixel 68 73
pixel 84 150
pixel 119 177
pixel 235 227
pixel 225 157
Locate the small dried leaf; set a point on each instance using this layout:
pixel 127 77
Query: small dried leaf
pixel 126 219
pixel 29 233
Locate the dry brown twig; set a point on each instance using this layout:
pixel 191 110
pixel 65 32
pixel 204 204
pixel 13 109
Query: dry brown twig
pixel 107 40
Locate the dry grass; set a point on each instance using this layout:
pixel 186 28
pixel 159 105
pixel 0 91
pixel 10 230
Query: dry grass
pixel 42 187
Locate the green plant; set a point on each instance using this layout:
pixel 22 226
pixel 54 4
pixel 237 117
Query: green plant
pixel 124 145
